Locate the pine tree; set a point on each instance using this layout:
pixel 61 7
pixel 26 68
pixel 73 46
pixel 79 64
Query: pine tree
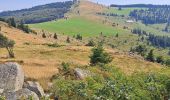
pixel 150 56
pixel 99 56
pixel 117 35
pixel 43 35
pixel 11 22
pixel 160 59
pixel 55 36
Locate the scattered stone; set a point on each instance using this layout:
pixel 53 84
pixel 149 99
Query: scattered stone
pixel 23 94
pixel 82 74
pixel 35 87
pixel 1 91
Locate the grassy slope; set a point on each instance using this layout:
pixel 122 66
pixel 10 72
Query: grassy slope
pixel 124 11
pixel 77 25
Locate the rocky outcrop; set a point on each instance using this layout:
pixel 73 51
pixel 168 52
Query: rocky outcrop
pixel 35 87
pixel 11 77
pixel 82 74
pixel 11 84
pixel 24 94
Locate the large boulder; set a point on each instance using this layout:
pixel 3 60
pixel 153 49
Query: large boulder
pixel 11 77
pixel 23 94
pixel 35 87
pixel 82 74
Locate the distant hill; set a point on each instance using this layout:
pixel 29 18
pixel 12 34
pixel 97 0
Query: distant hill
pixel 40 13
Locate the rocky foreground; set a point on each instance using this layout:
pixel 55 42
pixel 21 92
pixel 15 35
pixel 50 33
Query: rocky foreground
pixel 13 86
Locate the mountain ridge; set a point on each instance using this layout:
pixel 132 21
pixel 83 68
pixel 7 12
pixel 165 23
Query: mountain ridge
pixel 40 13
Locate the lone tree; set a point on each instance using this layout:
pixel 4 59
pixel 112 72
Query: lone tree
pixel 55 36
pixel 99 56
pixel 8 44
pixel 150 56
pixel 43 35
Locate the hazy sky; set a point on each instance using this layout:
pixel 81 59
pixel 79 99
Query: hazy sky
pixel 20 4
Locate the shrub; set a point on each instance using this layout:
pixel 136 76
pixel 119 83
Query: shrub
pixel 141 50
pixel 53 45
pixel 91 43
pixel 79 37
pixel 65 66
pixel 68 40
pixel 43 35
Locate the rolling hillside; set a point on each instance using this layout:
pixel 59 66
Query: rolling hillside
pixel 85 22
pixel 47 59
pixel 40 13
pixel 50 60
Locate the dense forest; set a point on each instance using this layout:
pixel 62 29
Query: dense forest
pixel 154 15
pixel 158 41
pixel 41 13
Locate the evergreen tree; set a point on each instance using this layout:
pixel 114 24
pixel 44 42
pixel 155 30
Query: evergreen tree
pixel 117 35
pixel 55 36
pixel 99 56
pixel 160 59
pixel 11 22
pixel 43 35
pixel 79 37
pixel 141 50
pixel 150 56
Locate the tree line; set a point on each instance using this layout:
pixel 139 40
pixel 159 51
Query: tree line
pixel 140 6
pixel 20 25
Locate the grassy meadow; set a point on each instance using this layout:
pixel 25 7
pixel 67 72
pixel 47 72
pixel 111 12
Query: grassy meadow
pixel 123 11
pixel 77 25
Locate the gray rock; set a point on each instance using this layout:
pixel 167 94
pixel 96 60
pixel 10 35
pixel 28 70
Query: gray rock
pixel 11 77
pixel 82 74
pixel 35 87
pixel 1 91
pixel 23 94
